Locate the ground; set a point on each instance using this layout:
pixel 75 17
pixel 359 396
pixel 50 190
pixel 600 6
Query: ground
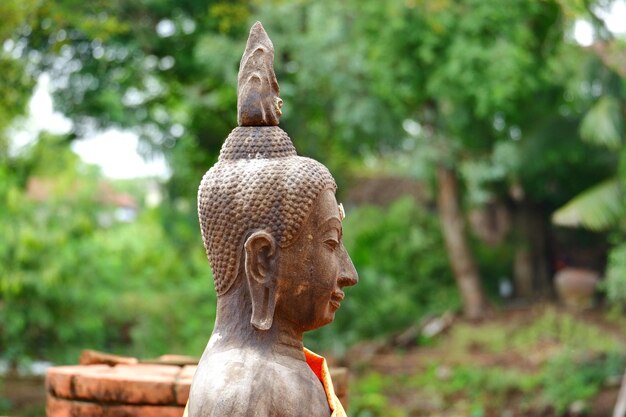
pixel 537 361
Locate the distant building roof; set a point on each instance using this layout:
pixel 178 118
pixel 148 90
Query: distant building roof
pixel 43 189
pixel 384 190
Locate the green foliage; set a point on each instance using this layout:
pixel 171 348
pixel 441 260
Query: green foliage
pixel 563 381
pixel 572 334
pixel 568 379
pixel 15 89
pixel 403 272
pixel 5 404
pixel 437 62
pixel 455 66
pixel 551 327
pixel 16 83
pixel 71 282
pixel 490 338
pixel 372 400
pixel 602 204
pixel 597 208
pixel 481 174
pixel 603 124
pixel 484 387
pixel 489 87
pixel 615 281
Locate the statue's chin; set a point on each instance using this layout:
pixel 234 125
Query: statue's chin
pixel 327 319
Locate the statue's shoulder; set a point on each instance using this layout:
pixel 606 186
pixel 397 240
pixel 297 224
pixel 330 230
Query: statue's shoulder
pixel 240 384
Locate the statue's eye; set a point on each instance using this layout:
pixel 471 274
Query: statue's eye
pixel 331 243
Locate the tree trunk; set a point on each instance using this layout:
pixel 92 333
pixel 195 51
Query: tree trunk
pixel 475 304
pixel 540 238
pixel 531 269
pixel 523 271
pixel 523 268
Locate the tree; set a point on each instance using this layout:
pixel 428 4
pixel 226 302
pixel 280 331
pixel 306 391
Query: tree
pixel 489 90
pixel 475 77
pixel 72 278
pixel 16 84
pixel 463 71
pixel 602 206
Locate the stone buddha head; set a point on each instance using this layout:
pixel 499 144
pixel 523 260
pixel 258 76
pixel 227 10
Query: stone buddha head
pixel 270 223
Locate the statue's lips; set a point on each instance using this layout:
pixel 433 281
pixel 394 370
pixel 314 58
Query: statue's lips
pixel 336 298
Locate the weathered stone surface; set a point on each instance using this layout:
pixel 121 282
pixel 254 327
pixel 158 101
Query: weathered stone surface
pixel 258 103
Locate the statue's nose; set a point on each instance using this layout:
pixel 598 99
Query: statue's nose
pixel 348 275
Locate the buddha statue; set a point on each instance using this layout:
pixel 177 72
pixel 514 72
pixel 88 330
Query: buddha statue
pixel 272 230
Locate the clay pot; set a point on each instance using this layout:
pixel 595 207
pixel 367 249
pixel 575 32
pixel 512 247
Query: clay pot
pixel 576 287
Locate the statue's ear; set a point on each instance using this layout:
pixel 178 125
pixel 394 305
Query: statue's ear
pixel 260 265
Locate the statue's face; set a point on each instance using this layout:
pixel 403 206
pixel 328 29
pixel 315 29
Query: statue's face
pixel 313 270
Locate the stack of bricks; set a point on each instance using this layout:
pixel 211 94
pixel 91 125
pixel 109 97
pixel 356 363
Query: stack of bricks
pixel 110 387
pixel 118 391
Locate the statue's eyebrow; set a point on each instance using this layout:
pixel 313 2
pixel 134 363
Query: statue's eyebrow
pixel 332 219
pixel 334 222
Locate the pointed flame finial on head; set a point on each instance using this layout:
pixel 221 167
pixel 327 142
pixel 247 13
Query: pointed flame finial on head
pixel 258 103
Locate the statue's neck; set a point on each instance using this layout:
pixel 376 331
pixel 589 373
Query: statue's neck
pixel 233 329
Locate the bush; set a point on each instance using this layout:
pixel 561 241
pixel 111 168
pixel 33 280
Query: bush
pixel 615 283
pixel 68 283
pixel 568 379
pixel 125 289
pixel 373 399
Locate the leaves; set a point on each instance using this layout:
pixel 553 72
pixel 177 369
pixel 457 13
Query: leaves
pixel 604 124
pixel 71 280
pixel 597 208
pixel 615 283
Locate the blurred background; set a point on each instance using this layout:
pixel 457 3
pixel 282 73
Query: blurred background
pixel 479 147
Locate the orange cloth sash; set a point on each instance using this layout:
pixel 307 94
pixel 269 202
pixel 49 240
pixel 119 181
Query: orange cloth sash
pixel 319 367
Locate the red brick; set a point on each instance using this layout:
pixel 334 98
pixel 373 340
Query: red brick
pixel 93 357
pixel 188 371
pixel 183 383
pixel 181 391
pixel 148 369
pixel 59 378
pixel 57 407
pixel 144 411
pixel 136 384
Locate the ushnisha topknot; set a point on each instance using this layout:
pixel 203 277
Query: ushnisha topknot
pixel 258 103
pixel 259 182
